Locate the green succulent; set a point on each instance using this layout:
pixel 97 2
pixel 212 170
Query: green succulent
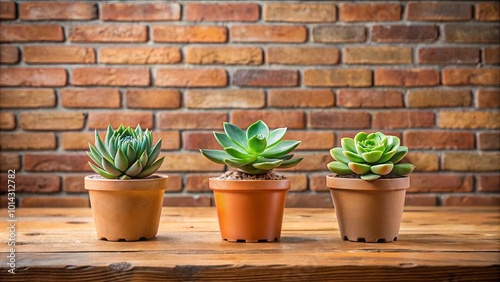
pixel 255 150
pixel 125 154
pixel 371 156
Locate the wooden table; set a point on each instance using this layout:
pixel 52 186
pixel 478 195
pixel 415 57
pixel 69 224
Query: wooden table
pixel 435 244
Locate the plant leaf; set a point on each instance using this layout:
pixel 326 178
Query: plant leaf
pixel 382 169
pixel 134 169
pixel 94 155
pixel 236 153
pixel 121 161
pixel 280 149
pixel 360 137
pixel 144 159
pixel 237 163
pixel 275 136
pixel 339 168
pixel 151 169
pixel 155 152
pixel 216 156
pixel 257 144
pixel 290 163
pixel 348 144
pixel 223 140
pixel 353 157
pixel 400 154
pixel 236 134
pixel 100 171
pixel 370 177
pixel 403 169
pixel 359 168
pixel 337 155
pixel 252 170
pixel 102 148
pixel 131 156
pixel 267 165
pixel 109 168
pixel 256 128
pixel 372 157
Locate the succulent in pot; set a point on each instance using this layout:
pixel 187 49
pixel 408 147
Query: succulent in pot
pixel 126 196
pixel 254 152
pixel 369 187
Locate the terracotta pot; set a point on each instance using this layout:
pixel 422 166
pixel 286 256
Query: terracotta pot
pixel 126 209
pixel 250 210
pixel 368 211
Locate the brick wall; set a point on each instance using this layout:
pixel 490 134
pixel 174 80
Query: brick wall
pixel 427 71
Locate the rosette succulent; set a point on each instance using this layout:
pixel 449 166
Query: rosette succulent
pixel 126 153
pixel 370 156
pixel 255 150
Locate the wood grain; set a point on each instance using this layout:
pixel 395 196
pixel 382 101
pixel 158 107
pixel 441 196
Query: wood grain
pixel 435 244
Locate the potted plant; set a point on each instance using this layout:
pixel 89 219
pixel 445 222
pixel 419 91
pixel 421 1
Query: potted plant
pixel 126 198
pixel 369 189
pixel 250 201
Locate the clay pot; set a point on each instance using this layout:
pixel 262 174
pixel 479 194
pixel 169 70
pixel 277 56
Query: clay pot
pixel 250 210
pixel 126 210
pixel 368 211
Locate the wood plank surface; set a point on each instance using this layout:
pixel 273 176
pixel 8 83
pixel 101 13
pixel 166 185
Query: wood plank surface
pixel 435 244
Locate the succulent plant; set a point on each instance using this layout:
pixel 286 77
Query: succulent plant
pixel 125 154
pixel 370 156
pixel 255 150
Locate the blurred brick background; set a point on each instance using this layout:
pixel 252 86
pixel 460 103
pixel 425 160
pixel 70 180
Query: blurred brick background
pixel 427 71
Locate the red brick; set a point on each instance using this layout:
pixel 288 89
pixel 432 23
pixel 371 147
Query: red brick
pixel 171 140
pixel 153 99
pixel 317 182
pixel 469 119
pixel 241 12
pixel 52 10
pixel 404 33
pixel 300 12
pixel 59 54
pixel 472 200
pixel 268 33
pixel 174 183
pixel 109 33
pixel 406 77
pixel 338 34
pixel 302 55
pixel 471 76
pixel 111 76
pixel 417 139
pixel 56 162
pixel 55 202
pixel 41 77
pixel 438 183
pixel 51 120
pixel 139 55
pixel 27 98
pixel 31 33
pixel 488 140
pixel 311 162
pixel 435 11
pixel 338 77
pixel 299 200
pixel 35 183
pixel 364 98
pixel 420 200
pixel 448 55
pixel 432 97
pixel 488 183
pixel 90 98
pixel 7 121
pixel 392 120
pixel 195 140
pixel 487 11
pixel 198 182
pixel 423 161
pixel 9 161
pixel 274 119
pixel 311 140
pixel 100 120
pixel 224 55
pixel 300 98
pixel 455 33
pixel 74 183
pixel 298 181
pixel 371 12
pixel 491 56
pixel 9 54
pixel 191 120
pixel 7 10
pixel 228 98
pixel 471 161
pixel 24 141
pixel 187 162
pixel 190 34
pixel 377 55
pixel 141 12
pixel 265 78
pixel 333 119
pixel 187 201
pixel 191 77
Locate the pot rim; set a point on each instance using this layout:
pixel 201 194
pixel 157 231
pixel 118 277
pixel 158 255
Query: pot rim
pixel 387 184
pixel 249 185
pixel 99 184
